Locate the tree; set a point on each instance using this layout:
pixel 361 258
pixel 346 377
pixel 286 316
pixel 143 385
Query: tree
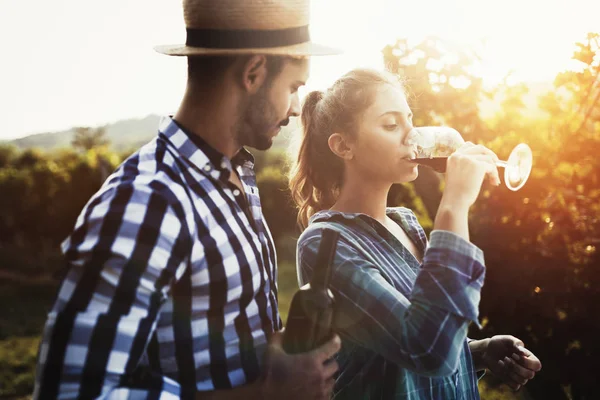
pixel 85 138
pixel 543 276
pixel 7 154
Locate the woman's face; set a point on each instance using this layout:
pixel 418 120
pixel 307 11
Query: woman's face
pixel 379 148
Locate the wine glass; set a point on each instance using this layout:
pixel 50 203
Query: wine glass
pixel 436 143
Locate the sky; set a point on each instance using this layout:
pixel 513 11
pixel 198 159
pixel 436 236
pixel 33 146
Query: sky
pixel 72 63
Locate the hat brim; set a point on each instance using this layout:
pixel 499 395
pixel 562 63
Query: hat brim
pixel 298 50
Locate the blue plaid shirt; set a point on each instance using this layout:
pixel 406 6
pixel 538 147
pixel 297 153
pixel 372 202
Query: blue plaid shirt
pixel 172 280
pixel 403 324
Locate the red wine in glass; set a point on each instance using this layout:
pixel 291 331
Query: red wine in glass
pixel 435 144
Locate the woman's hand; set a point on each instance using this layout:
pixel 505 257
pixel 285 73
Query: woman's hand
pixel 507 358
pixel 466 170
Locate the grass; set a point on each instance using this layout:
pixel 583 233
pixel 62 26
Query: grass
pixel 490 388
pixel 17 365
pixel 21 321
pixel 27 291
pixel 25 305
pixel 287 287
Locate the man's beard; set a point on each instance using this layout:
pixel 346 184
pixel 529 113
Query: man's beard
pixel 258 120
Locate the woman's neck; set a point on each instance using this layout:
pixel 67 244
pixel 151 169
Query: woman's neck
pixel 363 196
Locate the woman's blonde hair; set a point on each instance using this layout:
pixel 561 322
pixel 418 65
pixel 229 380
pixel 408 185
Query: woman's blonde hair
pixel 317 173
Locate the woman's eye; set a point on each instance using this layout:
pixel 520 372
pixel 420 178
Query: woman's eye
pixel 391 127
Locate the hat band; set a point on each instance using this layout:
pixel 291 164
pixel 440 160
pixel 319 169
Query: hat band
pixel 246 38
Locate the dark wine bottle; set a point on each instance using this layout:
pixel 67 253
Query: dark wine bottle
pixel 436 163
pixel 310 318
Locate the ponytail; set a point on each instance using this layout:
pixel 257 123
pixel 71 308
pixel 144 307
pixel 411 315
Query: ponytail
pixel 311 188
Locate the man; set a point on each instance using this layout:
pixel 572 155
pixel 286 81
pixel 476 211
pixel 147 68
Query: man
pixel 171 290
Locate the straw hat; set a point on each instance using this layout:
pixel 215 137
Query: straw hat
pixel 220 27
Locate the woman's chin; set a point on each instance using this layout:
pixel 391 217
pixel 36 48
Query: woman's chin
pixel 414 173
pixel 409 175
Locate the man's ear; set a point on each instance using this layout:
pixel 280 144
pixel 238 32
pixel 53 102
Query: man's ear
pixel 341 146
pixel 254 73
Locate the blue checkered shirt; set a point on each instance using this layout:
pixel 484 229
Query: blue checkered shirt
pixel 171 284
pixel 403 324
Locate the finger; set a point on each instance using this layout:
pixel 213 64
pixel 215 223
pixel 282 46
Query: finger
pixel 530 362
pixel 276 339
pixel 518 347
pixel 477 149
pixel 491 170
pixel 524 354
pixel 324 392
pixel 493 175
pixel 473 149
pixel 466 146
pixel 484 150
pixel 516 379
pixel 327 350
pixel 484 158
pixel 330 368
pixel 329 386
pixel 516 342
pixel 514 386
pixel 524 351
pixel 519 372
pixel 508 378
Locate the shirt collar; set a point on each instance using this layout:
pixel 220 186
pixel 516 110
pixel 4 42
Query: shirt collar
pixel 403 215
pixel 326 215
pixel 204 157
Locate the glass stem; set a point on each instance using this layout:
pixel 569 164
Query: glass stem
pixel 501 164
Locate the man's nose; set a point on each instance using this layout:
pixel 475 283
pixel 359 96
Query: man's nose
pixel 295 106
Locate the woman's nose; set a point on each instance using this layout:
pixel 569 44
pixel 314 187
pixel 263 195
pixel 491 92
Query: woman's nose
pixel 412 138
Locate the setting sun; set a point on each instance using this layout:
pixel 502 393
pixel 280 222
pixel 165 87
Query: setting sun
pixel 524 40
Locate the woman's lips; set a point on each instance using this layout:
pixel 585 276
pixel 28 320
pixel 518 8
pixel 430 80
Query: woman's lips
pixel 412 156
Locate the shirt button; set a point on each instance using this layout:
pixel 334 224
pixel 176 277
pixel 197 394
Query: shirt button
pixel 207 167
pixel 223 165
pixel 236 192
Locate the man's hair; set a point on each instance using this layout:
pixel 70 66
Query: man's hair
pixel 211 68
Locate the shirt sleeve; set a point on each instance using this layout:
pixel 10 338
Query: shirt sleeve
pixel 425 331
pixel 129 244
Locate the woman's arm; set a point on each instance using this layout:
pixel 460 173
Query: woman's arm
pixel 423 332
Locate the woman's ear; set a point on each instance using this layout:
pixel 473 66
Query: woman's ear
pixel 340 146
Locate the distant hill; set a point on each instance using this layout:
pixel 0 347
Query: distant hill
pixel 124 135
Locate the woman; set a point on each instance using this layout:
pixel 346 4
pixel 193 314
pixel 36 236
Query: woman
pixel 403 304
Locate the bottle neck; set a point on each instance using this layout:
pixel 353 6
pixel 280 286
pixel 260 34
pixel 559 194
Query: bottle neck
pixel 325 257
pixel 321 276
